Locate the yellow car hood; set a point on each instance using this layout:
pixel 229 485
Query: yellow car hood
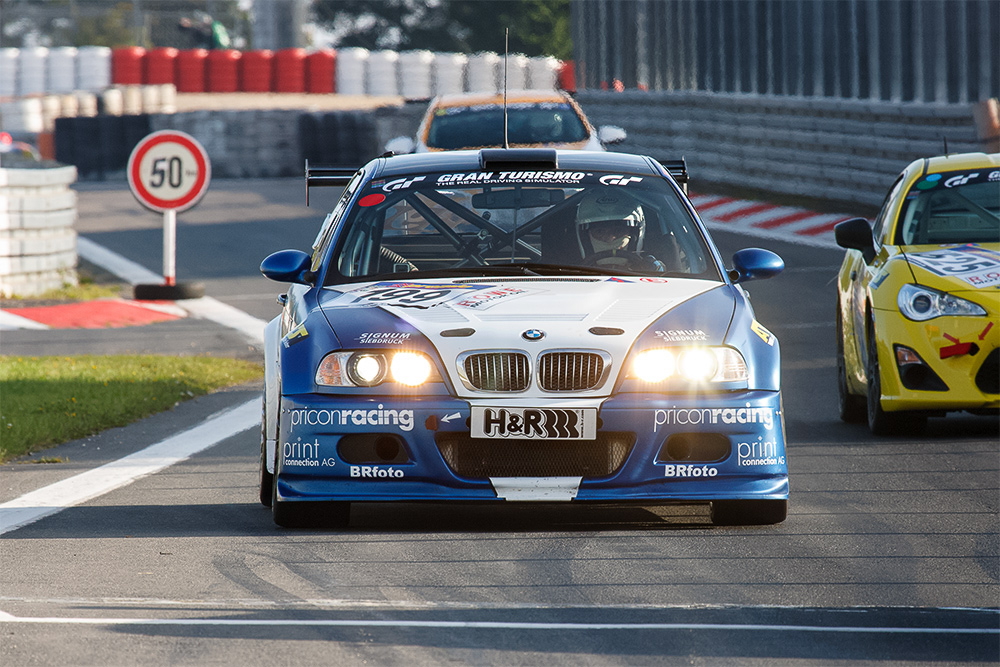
pixel 958 269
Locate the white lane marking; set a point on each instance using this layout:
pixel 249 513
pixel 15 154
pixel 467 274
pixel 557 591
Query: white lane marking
pixel 114 263
pixel 466 605
pixel 488 625
pixel 10 321
pixel 205 308
pixel 216 311
pixel 80 488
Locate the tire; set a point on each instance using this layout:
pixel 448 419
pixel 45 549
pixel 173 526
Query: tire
pixel 266 478
pixel 881 422
pixel 169 292
pixel 748 512
pixel 309 514
pixel 851 407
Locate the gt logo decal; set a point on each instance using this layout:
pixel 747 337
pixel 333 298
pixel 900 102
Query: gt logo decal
pixel 764 334
pixel 955 181
pixel 402 183
pixel 618 179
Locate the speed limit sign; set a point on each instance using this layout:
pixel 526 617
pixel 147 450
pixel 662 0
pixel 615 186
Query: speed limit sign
pixel 169 170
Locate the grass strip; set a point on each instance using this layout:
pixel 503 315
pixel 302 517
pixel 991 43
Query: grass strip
pixel 45 401
pixel 86 290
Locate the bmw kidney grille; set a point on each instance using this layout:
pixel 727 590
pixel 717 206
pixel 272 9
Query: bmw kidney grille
pixel 558 370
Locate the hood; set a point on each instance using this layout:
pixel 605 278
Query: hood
pixel 955 268
pixel 589 144
pixel 592 313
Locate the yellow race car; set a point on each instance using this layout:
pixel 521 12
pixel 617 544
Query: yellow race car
pixel 918 309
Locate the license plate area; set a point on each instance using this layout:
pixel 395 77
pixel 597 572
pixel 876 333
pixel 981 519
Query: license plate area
pixel 534 423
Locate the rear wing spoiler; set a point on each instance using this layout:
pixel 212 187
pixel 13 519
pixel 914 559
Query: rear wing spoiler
pixel 677 169
pixel 327 176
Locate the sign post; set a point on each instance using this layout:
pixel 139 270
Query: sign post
pixel 169 172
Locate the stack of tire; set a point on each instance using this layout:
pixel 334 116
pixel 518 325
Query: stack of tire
pixel 99 145
pixel 343 138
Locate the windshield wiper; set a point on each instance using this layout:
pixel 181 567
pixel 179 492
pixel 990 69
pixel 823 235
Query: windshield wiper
pixel 524 269
pixel 476 270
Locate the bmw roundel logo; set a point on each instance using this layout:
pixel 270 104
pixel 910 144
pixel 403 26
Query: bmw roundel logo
pixel 533 334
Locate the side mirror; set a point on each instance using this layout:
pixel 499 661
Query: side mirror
pixel 856 234
pixel 755 264
pixel 400 145
pixel 610 134
pixel 287 266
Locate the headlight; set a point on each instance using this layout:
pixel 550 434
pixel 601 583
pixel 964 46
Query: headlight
pixel 410 368
pixel 692 364
pixel 368 369
pixel 653 365
pixel 923 303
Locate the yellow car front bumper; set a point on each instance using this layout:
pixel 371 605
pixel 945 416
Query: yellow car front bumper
pixel 961 351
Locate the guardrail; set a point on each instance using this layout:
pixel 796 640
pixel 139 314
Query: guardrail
pixel 37 240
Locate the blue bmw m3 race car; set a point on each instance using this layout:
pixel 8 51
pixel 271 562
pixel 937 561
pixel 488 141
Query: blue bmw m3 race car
pixel 518 325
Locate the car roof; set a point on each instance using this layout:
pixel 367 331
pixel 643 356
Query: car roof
pixel 952 162
pixel 513 97
pixel 467 161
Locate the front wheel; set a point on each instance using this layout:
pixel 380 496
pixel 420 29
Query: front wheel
pixel 850 406
pixel 881 422
pixel 266 477
pixel 748 512
pixel 308 514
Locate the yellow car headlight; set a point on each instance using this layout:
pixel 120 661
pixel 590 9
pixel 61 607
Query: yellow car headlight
pixel 921 303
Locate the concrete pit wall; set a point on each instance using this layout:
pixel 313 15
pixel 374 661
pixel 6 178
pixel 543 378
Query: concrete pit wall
pixel 831 149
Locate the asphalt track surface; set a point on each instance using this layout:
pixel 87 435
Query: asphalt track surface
pixel 889 555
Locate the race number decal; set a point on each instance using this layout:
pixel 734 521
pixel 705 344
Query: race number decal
pixel 403 295
pixel 976 265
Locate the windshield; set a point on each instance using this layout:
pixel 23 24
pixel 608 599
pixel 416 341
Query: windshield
pixel 520 223
pixel 953 207
pixel 454 128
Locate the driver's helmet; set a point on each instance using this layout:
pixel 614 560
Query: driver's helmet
pixel 609 220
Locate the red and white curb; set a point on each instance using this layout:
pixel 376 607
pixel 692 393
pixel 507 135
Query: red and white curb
pixel 206 308
pixel 768 221
pixel 96 314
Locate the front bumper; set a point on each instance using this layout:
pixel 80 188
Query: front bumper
pixel 392 449
pixel 961 351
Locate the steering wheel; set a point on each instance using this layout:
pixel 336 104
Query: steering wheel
pixel 634 261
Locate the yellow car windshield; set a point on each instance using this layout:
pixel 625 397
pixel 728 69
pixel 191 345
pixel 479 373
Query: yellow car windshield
pixel 951 207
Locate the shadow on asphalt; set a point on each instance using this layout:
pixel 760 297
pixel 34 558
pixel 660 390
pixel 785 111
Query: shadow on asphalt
pixel 254 520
